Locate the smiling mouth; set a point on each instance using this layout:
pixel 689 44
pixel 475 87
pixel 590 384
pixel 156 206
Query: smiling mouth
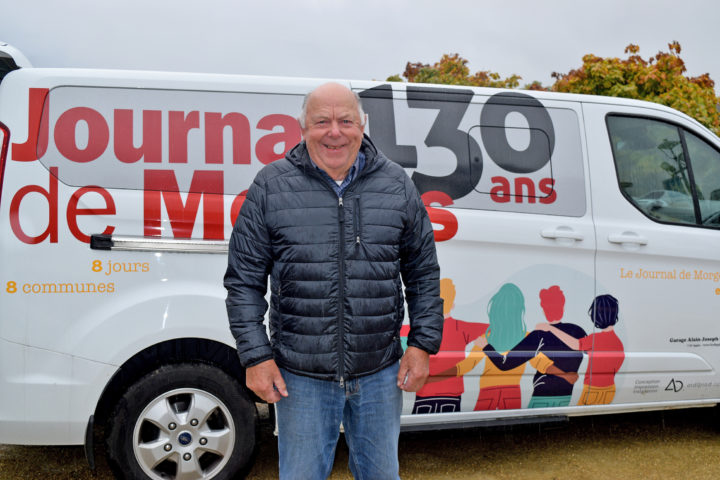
pixel 330 147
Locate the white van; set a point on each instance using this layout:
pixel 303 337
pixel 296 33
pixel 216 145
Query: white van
pixel 118 194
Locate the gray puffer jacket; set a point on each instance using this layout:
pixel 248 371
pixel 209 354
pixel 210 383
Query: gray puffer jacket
pixel 335 267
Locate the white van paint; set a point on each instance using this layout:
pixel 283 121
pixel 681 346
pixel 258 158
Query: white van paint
pixel 119 190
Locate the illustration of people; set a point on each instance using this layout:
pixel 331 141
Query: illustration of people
pixel 500 390
pixel 549 390
pixel 444 395
pixel 605 351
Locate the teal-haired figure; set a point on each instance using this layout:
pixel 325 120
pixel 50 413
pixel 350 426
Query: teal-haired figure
pixel 500 390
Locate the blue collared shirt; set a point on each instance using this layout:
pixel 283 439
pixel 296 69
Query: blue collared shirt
pixel 357 165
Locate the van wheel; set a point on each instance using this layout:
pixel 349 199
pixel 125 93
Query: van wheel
pixel 184 421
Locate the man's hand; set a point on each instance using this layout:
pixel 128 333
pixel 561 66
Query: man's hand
pixel 414 369
pixel 266 381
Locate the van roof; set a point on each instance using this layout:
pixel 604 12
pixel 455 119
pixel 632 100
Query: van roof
pixel 55 77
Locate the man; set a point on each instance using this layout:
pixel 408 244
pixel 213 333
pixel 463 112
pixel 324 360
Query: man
pixel 552 384
pixel 336 225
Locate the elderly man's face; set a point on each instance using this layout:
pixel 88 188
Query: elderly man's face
pixel 333 129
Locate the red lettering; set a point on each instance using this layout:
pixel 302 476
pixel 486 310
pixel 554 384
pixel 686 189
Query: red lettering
pixel 500 193
pixel 51 194
pixel 215 124
pixel 547 186
pixel 73 211
pixel 98 134
pixel 151 146
pixel 289 137
pixel 236 206
pixel 440 216
pixel 528 185
pixel 524 189
pixel 162 185
pixel 180 126
pixel 36 143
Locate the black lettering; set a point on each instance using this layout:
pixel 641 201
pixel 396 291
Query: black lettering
pixel 378 104
pixel 493 132
pixel 452 105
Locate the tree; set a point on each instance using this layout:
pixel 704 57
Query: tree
pixel 659 79
pixel 453 70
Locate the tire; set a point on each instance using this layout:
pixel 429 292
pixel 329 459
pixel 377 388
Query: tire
pixel 184 421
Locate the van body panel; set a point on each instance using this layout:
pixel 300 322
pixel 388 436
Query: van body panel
pixel 529 194
pixel 47 395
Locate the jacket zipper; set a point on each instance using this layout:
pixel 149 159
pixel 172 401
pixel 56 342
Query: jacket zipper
pixel 357 222
pixel 341 286
pixel 341 269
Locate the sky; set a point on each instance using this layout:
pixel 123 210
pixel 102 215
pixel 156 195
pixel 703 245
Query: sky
pixel 345 39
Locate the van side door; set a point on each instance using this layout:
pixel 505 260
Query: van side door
pixel 656 196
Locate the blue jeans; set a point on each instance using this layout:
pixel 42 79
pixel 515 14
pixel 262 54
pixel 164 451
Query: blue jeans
pixel 309 425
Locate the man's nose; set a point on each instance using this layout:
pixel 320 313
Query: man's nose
pixel 334 128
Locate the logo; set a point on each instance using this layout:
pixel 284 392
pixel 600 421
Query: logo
pixel 184 438
pixel 674 386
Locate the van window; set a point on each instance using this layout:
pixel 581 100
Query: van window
pixel 7 65
pixel 652 168
pixel 505 152
pixel 533 157
pixel 166 140
pixel 706 171
pixel 4 139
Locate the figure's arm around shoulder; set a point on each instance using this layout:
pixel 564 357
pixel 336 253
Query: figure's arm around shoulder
pixel 521 353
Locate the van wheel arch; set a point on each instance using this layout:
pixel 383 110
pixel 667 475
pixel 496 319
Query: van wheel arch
pixel 189 417
pixel 172 352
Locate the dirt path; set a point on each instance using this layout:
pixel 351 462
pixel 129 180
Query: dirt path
pixel 668 445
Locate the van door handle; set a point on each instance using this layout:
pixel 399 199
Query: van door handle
pixel 562 232
pixel 627 237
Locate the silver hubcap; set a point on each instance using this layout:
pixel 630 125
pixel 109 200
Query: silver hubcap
pixel 184 434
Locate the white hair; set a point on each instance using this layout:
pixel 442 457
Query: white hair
pixel 303 112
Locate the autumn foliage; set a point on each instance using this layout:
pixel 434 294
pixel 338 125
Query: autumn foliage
pixel 659 79
pixel 453 70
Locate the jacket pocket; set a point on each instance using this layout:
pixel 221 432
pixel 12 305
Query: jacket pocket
pixel 279 297
pixel 399 310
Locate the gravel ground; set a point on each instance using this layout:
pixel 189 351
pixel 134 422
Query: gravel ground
pixel 677 444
